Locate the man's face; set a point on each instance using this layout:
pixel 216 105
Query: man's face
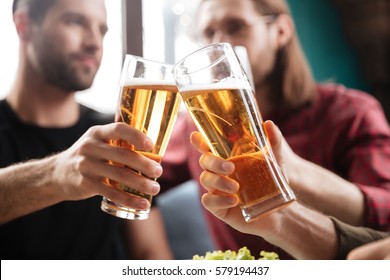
pixel 66 47
pixel 238 23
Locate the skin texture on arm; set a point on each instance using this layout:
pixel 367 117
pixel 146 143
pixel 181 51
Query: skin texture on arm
pixel 79 173
pixel 378 250
pixel 323 190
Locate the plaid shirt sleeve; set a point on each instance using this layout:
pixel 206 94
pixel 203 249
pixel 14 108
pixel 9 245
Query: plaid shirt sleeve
pixel 368 162
pixel 377 205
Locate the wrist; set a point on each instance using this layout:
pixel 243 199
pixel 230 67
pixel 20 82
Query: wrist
pixel 272 226
pixel 57 179
pixel 305 234
pixel 296 170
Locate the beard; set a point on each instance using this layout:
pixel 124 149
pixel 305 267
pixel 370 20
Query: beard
pixel 63 74
pixel 61 70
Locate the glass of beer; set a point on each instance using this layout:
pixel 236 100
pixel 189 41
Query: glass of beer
pixel 243 58
pixel 219 97
pixel 148 101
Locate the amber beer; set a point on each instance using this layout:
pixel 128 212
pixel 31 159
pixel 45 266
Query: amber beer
pixel 151 108
pixel 230 121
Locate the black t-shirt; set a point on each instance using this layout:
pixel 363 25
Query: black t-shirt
pixel 70 229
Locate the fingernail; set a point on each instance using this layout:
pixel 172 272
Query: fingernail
pixel 158 170
pixel 155 188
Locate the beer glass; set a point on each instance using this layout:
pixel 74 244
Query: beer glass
pixel 243 58
pixel 148 101
pixel 220 100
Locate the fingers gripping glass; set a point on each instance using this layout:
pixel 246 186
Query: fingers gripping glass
pixel 148 101
pixel 220 100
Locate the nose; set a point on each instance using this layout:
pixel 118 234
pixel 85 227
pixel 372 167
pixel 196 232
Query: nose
pixel 217 37
pixel 93 39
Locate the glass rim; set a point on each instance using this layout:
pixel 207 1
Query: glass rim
pixel 221 44
pixel 142 59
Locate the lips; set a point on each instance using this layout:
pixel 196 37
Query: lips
pixel 89 61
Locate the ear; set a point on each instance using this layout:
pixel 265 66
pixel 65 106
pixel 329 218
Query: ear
pixel 22 25
pixel 285 29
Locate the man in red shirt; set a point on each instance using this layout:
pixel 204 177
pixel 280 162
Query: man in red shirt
pixel 340 137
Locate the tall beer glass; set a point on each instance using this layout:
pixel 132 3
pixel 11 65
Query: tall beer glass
pixel 220 100
pixel 148 101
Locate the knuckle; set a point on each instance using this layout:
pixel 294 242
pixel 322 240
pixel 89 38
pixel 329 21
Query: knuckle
pixel 94 130
pixel 127 133
pixel 85 147
pixel 138 137
pixel 83 164
pixel 117 127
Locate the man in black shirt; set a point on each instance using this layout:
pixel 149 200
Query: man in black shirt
pixel 54 152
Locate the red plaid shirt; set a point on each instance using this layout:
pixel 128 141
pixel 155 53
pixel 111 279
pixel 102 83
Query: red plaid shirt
pixel 344 131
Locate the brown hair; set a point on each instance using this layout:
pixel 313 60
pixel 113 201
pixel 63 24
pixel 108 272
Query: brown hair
pixel 291 81
pixel 36 9
pixel 292 74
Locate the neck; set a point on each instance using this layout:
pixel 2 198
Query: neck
pixel 36 102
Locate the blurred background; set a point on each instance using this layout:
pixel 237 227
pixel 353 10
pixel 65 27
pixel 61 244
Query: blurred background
pixel 345 41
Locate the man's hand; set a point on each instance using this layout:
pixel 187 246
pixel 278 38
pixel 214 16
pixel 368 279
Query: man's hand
pixel 81 170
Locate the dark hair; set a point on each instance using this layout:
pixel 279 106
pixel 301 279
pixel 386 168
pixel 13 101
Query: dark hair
pixel 36 9
pixel 14 6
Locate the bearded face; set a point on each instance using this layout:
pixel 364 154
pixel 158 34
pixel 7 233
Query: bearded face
pixel 66 47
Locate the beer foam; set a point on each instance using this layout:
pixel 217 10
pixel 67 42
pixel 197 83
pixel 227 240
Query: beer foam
pixel 147 82
pixel 226 84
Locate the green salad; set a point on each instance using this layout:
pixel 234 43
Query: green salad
pixel 243 254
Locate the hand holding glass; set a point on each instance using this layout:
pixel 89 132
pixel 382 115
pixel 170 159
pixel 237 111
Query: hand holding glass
pixel 220 100
pixel 149 102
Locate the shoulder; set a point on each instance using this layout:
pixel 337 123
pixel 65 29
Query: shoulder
pixel 346 102
pixel 351 107
pixel 342 96
pixel 7 117
pixel 3 109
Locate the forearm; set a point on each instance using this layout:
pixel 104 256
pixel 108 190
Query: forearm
pixel 26 188
pixel 303 233
pixel 328 193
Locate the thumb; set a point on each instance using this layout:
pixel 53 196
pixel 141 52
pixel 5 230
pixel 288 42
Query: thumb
pixel 275 138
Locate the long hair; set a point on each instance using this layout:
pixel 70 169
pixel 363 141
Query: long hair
pixel 292 76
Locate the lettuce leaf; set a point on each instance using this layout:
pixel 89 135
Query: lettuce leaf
pixel 242 254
